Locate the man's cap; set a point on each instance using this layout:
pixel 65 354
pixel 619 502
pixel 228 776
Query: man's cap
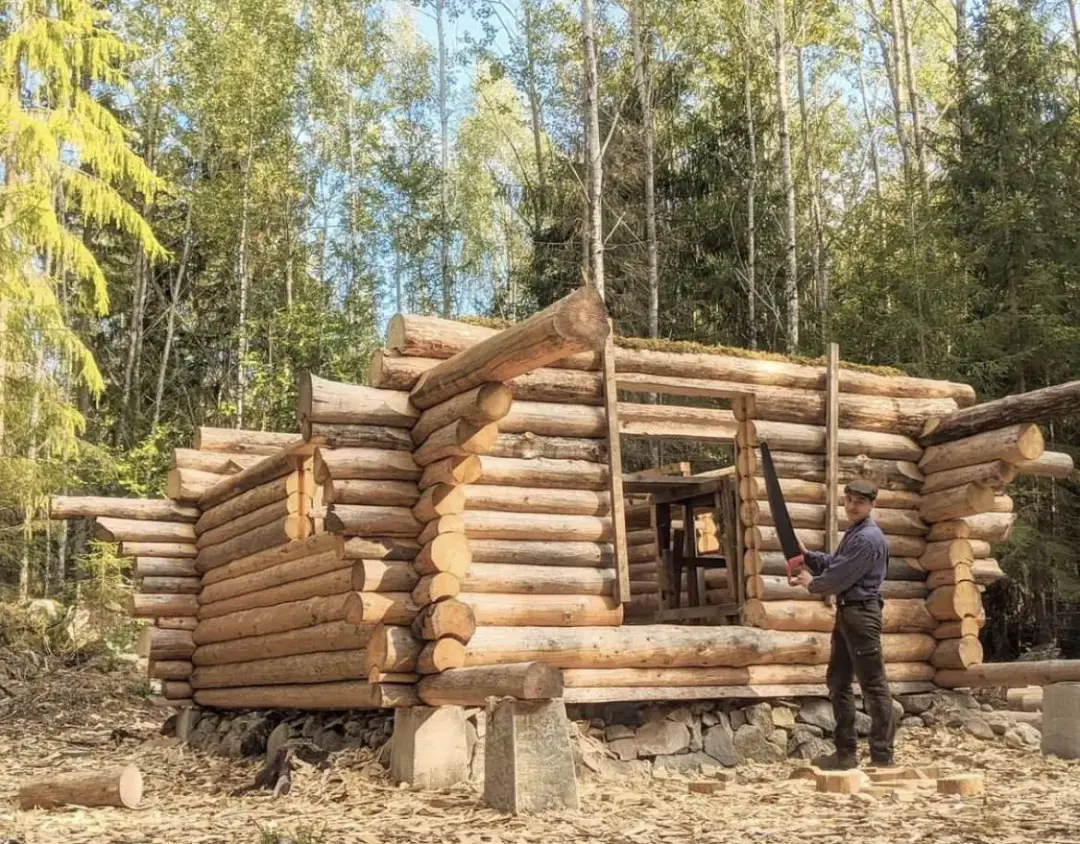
pixel 863 488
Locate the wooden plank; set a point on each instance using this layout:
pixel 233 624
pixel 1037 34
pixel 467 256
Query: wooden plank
pixel 832 450
pixel 615 472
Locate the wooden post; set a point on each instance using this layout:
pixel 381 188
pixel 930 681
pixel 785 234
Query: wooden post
pixel 615 480
pixel 832 453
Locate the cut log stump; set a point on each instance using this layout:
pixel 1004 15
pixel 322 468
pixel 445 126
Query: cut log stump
pixel 117 787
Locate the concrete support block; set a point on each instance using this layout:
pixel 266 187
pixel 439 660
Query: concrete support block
pixel 186 719
pixel 428 748
pixel 1061 720
pixel 528 761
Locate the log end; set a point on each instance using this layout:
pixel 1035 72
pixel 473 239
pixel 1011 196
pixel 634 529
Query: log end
pixel 1031 443
pixel 581 319
pixel 542 682
pixel 395 333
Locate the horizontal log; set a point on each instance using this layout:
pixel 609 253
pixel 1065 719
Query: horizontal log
pixel 239 441
pixel 322 585
pixel 288 571
pixel 178 623
pixel 388 493
pixel 369 464
pixel 325 667
pixel 956 502
pixel 284 530
pixel 947 577
pixel 279 618
pixel 272 512
pixel 170 669
pixel 441 655
pixel 534 553
pixel 447 552
pixel 214 462
pixel 543 610
pixel 164 567
pixel 478 407
pixel 392 648
pixel 370 520
pixel 1011 674
pixel 381 548
pixel 1057 402
pixel 946 555
pixel 159 644
pixel 511 579
pixel 172 690
pixel 576 323
pixel 270 557
pixel 472 686
pixel 895 522
pixel 184 550
pixel 523 499
pixel 776 588
pixel 137 530
pixel 270 468
pixel 547 419
pixel 189 485
pixel 994 474
pixel 457 439
pixel 735 693
pixel 140 509
pixel 452 618
pixel 958 653
pixel 153 606
pixel 320 638
pixel 951 603
pixel 766 539
pixel 1050 464
pixel 528 446
pixel 170 585
pixel 899 616
pixel 383 576
pixel 754 675
pixel 279 489
pixel 321 400
pixel 900 475
pixel 658 421
pixel 452 471
pixel 1011 444
pixel 773 563
pixel 542 472
pixel 811 492
pixel 333 435
pixel 484 524
pixel 988 527
pixel 348 694
pixel 371 608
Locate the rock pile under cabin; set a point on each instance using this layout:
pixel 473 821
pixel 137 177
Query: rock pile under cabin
pixel 460 533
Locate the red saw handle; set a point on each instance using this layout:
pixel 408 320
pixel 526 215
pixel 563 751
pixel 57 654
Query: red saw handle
pixel 793 566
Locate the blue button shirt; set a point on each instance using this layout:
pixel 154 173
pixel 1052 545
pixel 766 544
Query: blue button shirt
pixel 856 570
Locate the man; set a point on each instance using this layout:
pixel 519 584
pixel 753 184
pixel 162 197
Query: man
pixel 854 575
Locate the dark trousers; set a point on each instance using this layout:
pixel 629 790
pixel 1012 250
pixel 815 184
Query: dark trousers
pixel 856 654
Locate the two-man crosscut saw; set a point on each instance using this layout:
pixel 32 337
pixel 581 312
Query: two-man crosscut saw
pixel 789 543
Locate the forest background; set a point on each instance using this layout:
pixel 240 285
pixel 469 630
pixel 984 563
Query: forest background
pixel 202 199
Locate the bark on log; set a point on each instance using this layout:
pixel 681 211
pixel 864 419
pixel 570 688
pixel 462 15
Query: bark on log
pixel 546 419
pixel 215 462
pixel 141 509
pixel 440 656
pixel 370 520
pixel 1051 464
pixel 383 576
pixel 330 435
pixel 169 669
pixel 810 492
pixel 452 471
pixel 945 555
pixel 276 575
pixel 164 567
pixel 369 464
pixel 381 548
pixel 900 616
pixel 574 324
pixel 951 603
pixel 453 619
pixel 645 646
pixel 320 400
pixel 254 499
pixel 439 500
pixel 896 522
pixel 121 787
pixel 776 588
pixel 170 585
pixel 472 686
pixel 766 539
pixel 349 694
pixel 322 585
pixel 283 531
pixel 448 552
pixel 478 406
pixel 270 468
pixel 432 588
pixel 511 579
pixel 659 421
pixel 956 502
pixel 542 472
pixel 321 638
pixel 457 439
pixel 264 621
pixel 523 499
pixel 329 667
pixel 440 527
pixel 189 485
pixel 242 442
pixel 994 474
pixel 273 512
pixel 988 527
pixel 958 653
pixel 185 550
pixel 483 524
pixel 1011 674
pixel 899 475
pixel 500 610
pixel 392 648
pixel 135 530
pixel 1012 444
pixel 153 606
pixel 1059 401
pixel 371 608
pixel 388 493
pixel 529 446
pixel 309 547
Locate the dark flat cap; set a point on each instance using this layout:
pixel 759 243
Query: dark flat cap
pixel 863 488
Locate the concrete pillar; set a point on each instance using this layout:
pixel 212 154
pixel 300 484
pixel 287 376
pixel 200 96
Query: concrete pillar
pixel 428 748
pixel 1061 720
pixel 528 761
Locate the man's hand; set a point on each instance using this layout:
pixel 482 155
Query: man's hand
pixel 803 578
pixel 802 547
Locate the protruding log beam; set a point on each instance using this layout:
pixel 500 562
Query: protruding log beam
pixel 985 571
pixel 159 644
pixel 371 520
pixel 179 623
pixel 988 527
pixel 534 610
pixel 121 787
pixel 327 667
pixel 170 669
pixel 483 524
pixel 283 531
pixel 392 648
pixel 185 550
pixel 1011 444
pixel 321 400
pixel 270 468
pixel 478 406
pixel 896 522
pixel 956 502
pixel 170 585
pixel 263 621
pixel 452 471
pixel 1051 464
pixel 153 606
pixel 958 653
pixel 890 474
pixel 256 498
pixel 900 616
pixel 164 567
pixel 242 442
pixel 432 588
pixel 457 439
pixel 951 603
pixel 962 627
pixel 472 686
pixel 1057 402
pixel 577 323
pixel 381 548
pixel 994 474
pixel 173 690
pixel 272 512
pixel 370 464
pixel 440 527
pixel 189 485
pixel 451 618
pixel 547 419
pixel 141 509
pixel 947 577
pixel 1011 674
pixel 137 530
pixel 214 462
pixel 334 435
pixel 946 554
pixel 321 638
pixel 440 656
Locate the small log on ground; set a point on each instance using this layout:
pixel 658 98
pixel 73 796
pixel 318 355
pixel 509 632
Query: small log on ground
pixel 121 787
pixel 472 686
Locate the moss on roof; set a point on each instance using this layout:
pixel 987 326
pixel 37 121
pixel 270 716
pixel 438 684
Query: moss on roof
pixel 690 347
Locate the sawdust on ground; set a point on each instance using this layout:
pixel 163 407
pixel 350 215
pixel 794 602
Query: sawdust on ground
pixel 87 719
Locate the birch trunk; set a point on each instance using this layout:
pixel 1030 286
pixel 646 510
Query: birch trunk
pixel 817 251
pixel 913 100
pixel 791 286
pixel 444 161
pixel 592 136
pixel 242 274
pixel 644 86
pixel 751 189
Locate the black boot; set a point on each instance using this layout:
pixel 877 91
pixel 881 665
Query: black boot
pixel 837 762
